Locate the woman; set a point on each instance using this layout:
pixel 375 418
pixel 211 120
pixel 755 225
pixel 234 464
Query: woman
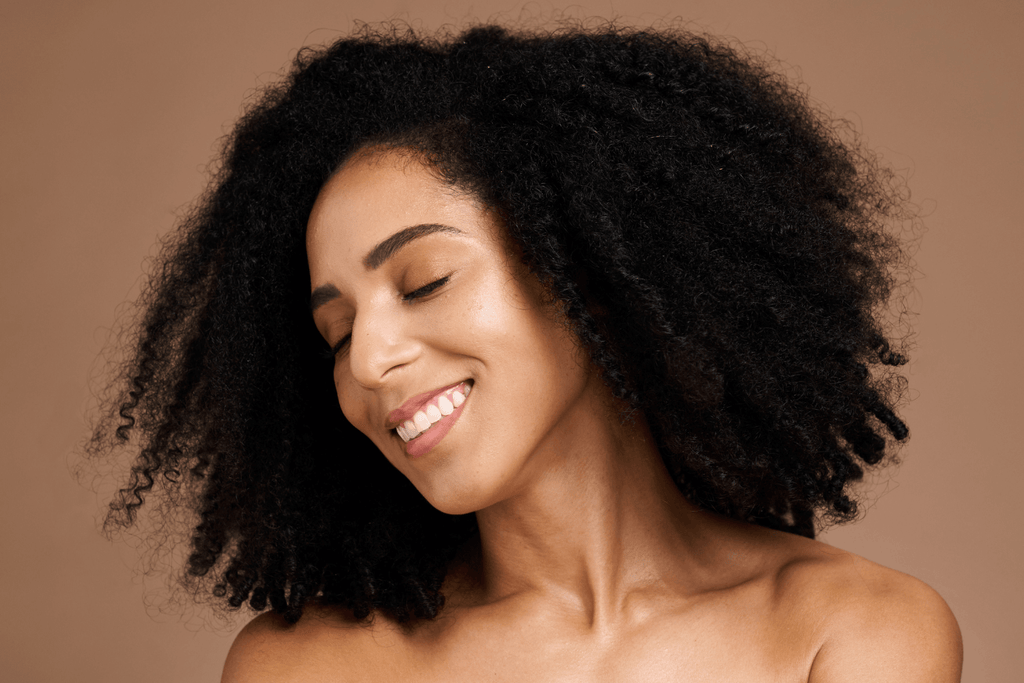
pixel 517 356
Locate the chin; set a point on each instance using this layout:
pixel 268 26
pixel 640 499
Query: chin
pixel 454 507
pixel 456 499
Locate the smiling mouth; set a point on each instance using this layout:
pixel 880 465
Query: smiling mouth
pixel 433 411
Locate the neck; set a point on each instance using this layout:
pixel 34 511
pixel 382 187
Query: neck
pixel 597 521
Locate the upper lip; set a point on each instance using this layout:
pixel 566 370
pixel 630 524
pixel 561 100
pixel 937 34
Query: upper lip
pixel 410 407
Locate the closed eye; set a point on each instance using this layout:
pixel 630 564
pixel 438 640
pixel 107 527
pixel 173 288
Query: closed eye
pixel 423 291
pixel 426 289
pixel 334 350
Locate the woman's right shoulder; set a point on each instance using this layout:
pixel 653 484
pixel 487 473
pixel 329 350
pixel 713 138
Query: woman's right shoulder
pixel 327 643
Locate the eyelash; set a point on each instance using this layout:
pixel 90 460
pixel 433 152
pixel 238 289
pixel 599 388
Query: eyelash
pixel 423 291
pixel 426 289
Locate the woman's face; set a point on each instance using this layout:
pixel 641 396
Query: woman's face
pixel 448 356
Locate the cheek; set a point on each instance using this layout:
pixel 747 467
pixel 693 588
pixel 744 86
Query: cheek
pixel 500 313
pixel 352 404
pixel 536 359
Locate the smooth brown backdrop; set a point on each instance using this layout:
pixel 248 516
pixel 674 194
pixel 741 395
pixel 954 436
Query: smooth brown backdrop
pixel 110 112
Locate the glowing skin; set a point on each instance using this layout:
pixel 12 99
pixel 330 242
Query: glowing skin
pixel 591 566
pixel 488 324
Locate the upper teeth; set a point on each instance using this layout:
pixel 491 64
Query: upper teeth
pixel 433 411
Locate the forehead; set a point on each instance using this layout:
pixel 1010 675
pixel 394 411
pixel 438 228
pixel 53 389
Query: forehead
pixel 375 194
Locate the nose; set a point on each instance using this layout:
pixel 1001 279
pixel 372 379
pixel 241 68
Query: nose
pixel 380 343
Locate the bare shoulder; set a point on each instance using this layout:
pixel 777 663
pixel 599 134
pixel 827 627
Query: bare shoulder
pixel 875 624
pixel 325 644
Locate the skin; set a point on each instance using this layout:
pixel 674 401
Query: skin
pixel 591 566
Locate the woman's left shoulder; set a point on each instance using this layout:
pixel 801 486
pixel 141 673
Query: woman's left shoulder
pixel 874 623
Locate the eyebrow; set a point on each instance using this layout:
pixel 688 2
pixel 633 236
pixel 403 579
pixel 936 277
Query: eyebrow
pixel 322 295
pixel 379 255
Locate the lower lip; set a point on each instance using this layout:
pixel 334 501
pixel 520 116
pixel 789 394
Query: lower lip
pixel 430 438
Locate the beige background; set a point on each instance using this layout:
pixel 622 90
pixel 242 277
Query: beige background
pixel 110 112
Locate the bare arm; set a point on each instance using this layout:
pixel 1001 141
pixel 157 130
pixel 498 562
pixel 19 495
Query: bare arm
pixel 261 653
pixel 897 629
pixel 325 645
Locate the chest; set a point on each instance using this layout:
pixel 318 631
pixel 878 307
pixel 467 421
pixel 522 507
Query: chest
pixel 704 647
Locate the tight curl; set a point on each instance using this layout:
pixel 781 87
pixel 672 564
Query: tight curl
pixel 719 251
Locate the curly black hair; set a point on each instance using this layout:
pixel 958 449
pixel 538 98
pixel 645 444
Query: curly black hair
pixel 720 251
